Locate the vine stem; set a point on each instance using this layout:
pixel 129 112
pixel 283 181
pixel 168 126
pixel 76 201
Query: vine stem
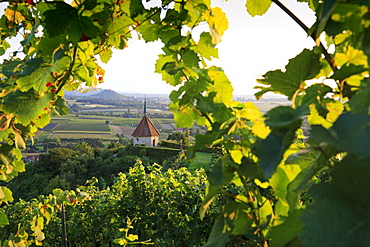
pixel 328 57
pixel 69 72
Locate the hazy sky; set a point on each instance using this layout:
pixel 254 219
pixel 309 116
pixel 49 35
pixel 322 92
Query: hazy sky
pixel 249 48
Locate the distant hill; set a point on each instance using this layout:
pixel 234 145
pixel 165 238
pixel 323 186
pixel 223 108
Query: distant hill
pixel 108 94
pixel 79 94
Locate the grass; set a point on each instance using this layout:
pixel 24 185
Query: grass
pixel 84 127
pixel 81 135
pixel 201 160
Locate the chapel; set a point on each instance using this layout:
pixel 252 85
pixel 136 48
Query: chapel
pixel 146 133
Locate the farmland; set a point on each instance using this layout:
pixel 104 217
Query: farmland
pixel 102 127
pixel 105 121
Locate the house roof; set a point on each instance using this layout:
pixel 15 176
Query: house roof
pixel 145 128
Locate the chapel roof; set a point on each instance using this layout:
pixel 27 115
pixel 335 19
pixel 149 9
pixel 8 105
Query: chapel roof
pixel 145 128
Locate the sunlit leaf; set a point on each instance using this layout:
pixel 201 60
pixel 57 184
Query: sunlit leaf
pixel 303 67
pixel 258 7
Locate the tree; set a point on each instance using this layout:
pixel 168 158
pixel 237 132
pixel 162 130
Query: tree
pixel 256 151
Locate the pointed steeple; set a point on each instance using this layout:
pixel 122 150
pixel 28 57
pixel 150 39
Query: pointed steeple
pixel 145 105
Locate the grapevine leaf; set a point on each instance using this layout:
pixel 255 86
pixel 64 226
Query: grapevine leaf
pixel 5 194
pixel 284 117
pixel 249 169
pixel 310 162
pixel 360 102
pixel 149 32
pixel 221 85
pixel 350 133
pixel 116 27
pixel 344 204
pixel 258 7
pixel 48 45
pixel 7 154
pixel 205 47
pixel 136 8
pixel 190 58
pixel 315 94
pixel 324 16
pixel 19 103
pixel 61 106
pixel 218 24
pixel 220 232
pixel 346 71
pixel 218 176
pixel 285 121
pixel 39 79
pixel 59 18
pixel 19 141
pixel 3 219
pixel 286 234
pixel 81 26
pixel 233 220
pixel 303 67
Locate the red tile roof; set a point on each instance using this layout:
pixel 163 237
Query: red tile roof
pixel 145 128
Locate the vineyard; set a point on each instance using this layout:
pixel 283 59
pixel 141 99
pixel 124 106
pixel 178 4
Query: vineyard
pixel 297 175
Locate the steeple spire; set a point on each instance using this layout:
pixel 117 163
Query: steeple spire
pixel 145 105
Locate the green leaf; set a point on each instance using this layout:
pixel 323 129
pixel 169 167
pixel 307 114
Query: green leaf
pixel 346 71
pixel 287 233
pixel 218 176
pixel 3 219
pixel 5 194
pixel 190 58
pixel 61 106
pixel 326 11
pixel 205 47
pixel 344 203
pixel 303 67
pixel 360 102
pixel 350 133
pixel 116 27
pixel 136 8
pixel 149 31
pixel 285 121
pixel 315 94
pixel 310 162
pixel 7 154
pixel 258 7
pixel 220 233
pixel 285 117
pixel 249 169
pixel 39 78
pixel 19 102
pixel 59 18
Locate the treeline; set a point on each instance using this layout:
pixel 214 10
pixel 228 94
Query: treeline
pixel 137 104
pixel 67 168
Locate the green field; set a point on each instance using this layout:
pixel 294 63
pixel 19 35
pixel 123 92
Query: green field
pixel 201 160
pixel 83 127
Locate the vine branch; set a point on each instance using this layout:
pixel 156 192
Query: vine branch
pixel 328 57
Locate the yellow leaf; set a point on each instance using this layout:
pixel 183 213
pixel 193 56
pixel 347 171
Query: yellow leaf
pixel 39 234
pixel 15 16
pixel 263 185
pixel 260 129
pixel 237 156
pixel 132 237
pixel 218 24
pixel 351 55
